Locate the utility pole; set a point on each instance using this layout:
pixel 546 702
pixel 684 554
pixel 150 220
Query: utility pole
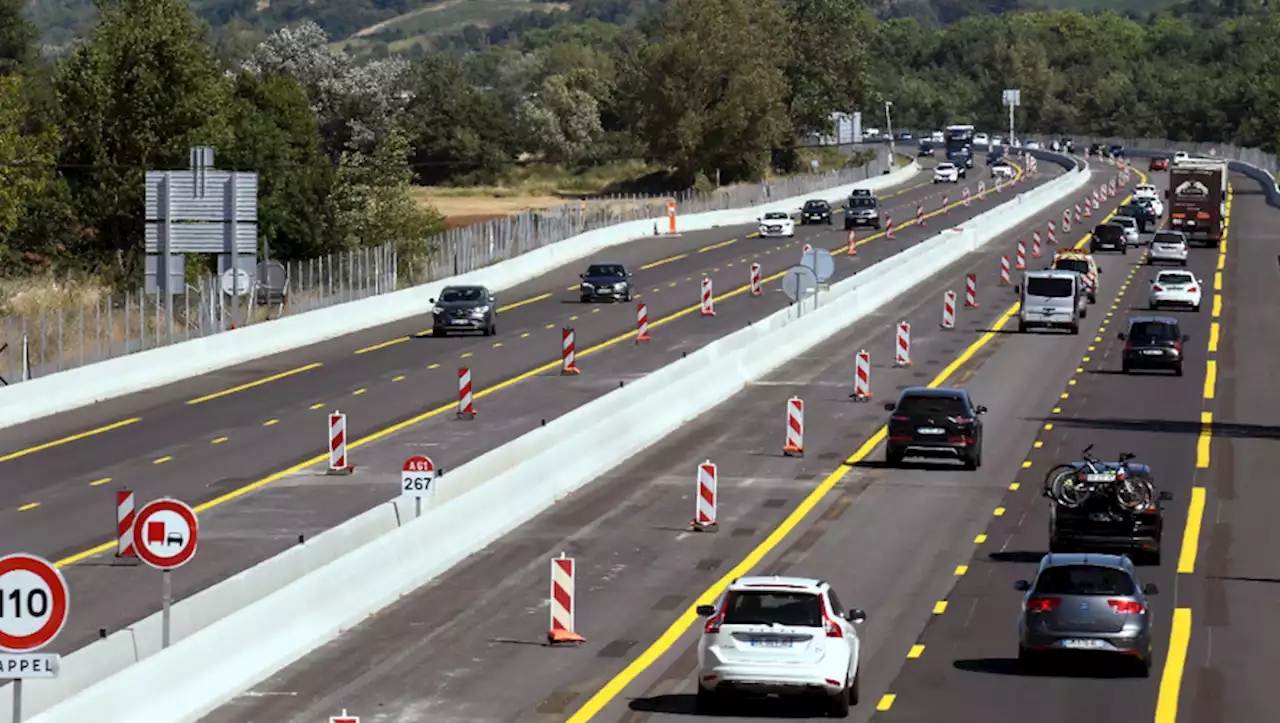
pixel 888 122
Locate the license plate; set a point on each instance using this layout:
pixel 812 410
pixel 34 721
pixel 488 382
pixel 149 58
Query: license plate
pixel 769 643
pixel 930 430
pixel 461 322
pixel 1102 477
pixel 1152 352
pixel 1084 644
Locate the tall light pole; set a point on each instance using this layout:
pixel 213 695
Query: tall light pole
pixel 888 122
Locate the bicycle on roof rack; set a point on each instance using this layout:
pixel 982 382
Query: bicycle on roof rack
pixel 1127 485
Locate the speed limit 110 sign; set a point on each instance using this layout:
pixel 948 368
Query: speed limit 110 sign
pixel 417 477
pixel 33 603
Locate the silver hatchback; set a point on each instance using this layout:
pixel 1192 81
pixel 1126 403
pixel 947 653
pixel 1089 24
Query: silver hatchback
pixel 1087 603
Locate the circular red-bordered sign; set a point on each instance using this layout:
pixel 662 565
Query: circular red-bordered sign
pixel 34 600
pixel 165 533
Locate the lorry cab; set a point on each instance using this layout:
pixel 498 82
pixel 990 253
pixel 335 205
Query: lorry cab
pixel 1052 299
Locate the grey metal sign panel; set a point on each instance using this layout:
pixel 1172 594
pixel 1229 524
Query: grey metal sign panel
pixel 177 282
pixel 799 282
pixel 820 261
pixel 203 195
pixel 203 238
pixel 245 262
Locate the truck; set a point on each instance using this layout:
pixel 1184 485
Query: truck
pixel 1197 197
pixel 959 145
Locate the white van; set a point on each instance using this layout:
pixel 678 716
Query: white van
pixel 1052 299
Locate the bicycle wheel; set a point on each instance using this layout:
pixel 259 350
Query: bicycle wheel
pixel 1067 492
pixel 1134 493
pixel 1051 479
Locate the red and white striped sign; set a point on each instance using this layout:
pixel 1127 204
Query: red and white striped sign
pixel 888 226
pixel 568 354
pixel 708 300
pixel 465 406
pixel 795 428
pixel 1076 218
pixel 946 207
pixel 806 249
pixel 704 513
pixel 1035 244
pixel 1022 256
pixel 1066 221
pixel 862 376
pixel 1004 271
pixel 642 322
pixel 1088 211
pixel 564 571
pixel 755 280
pixel 1053 234
pixel 949 310
pixel 920 215
pixel 966 197
pixel 971 291
pixel 124 524
pixel 338 443
pixel 982 190
pixel 902 349
pixel 853 244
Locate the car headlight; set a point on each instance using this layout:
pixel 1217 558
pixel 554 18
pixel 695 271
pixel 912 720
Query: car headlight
pixel 620 286
pixel 437 310
pixel 480 310
pixel 586 286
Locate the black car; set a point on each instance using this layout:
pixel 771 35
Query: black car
pixel 1143 214
pixel 995 155
pixel 464 308
pixel 1153 342
pixel 1100 526
pixel 1097 149
pixel 861 210
pixel 815 211
pixel 606 281
pixel 1108 236
pixel 926 149
pixel 1116 151
pixel 935 422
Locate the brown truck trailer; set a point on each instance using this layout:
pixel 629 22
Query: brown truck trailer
pixel 1198 200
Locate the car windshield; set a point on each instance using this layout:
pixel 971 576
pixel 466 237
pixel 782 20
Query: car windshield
pixel 1084 580
pixel 931 406
pixel 1175 277
pixel 774 606
pixel 460 294
pixel 606 271
pixel 1168 238
pixel 815 205
pixel 862 202
pixel 945 167
pixel 1079 265
pixel 1056 288
pixel 775 216
pixel 1143 332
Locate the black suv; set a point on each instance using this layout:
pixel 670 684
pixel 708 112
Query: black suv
pixel 606 281
pixel 926 149
pixel 464 308
pixel 1153 342
pixel 935 422
pixel 1143 214
pixel 815 211
pixel 1108 236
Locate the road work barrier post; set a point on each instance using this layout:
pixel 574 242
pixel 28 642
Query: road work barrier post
pixel 902 349
pixel 568 359
pixel 1053 234
pixel 1022 256
pixel 671 217
pixel 704 513
pixel 1076 217
pixel 125 510
pixel 338 463
pixel 1088 212
pixel 946 207
pixel 949 310
pixel 982 190
pixel 853 244
pixel 1004 271
pixel 642 323
pixel 966 197
pixel 920 215
pixel 708 299
pixel 1066 221
pixel 862 377
pixel 466 407
pixel 794 446
pixel 971 291
pixel 564 603
pixel 1035 244
pixel 888 226
pixel 755 280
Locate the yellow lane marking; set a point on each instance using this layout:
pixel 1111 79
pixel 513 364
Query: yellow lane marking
pixel 979 539
pixel 383 345
pixel 434 366
pixel 360 391
pixel 466 354
pixel 961 570
pixel 99 482
pixel 1217 305
pixel 1048 427
pixel 1175 661
pixel 29 506
pixel 886 702
pixel 1217 281
pixel 219 440
pixel 720 245
pixel 998 512
pixel 260 382
pixel 660 262
pixel 940 607
pixel 1222 260
pixel 398 379
pixel 519 304
pixel 161 460
pixel 915 652
pixel 1026 464
pixel 497 344
pixel 317 405
pixel 1206 436
pixel 1210 378
pixel 1213 336
pixel 72 438
pixel 1039 444
pixel 1191 532
pixel 524 335
pixel 271 422
pixel 1066 395
pixel 1013 486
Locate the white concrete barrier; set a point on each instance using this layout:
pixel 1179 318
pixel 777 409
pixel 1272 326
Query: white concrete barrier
pixel 117 377
pixel 311 602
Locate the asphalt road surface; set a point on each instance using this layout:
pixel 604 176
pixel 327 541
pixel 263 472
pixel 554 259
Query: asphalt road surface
pixel 247 457
pixel 467 648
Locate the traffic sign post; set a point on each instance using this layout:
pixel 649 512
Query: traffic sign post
pixel 799 283
pixel 417 480
pixel 344 718
pixel 160 526
pixel 34 600
pixel 818 261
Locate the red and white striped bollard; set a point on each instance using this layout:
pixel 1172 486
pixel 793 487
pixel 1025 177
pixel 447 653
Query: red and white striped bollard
pixel 966 197
pixel 755 280
pixel 862 377
pixel 1066 221
pixel 1053 234
pixel 1004 271
pixel 971 291
pixel 982 190
pixel 920 215
pixel 794 446
pixel 853 244
pixel 466 405
pixel 708 299
pixel 707 499
pixel 1035 244
pixel 642 323
pixel 949 310
pixel 338 462
pixel 1022 256
pixel 124 524
pixel 564 603
pixel 888 226
pixel 946 207
pixel 902 349
pixel 568 354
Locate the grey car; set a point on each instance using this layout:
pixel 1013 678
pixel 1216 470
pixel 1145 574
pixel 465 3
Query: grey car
pixel 464 308
pixel 861 211
pixel 1089 603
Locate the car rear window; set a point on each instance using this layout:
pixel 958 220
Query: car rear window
pixel 1168 238
pixel 941 406
pixel 606 270
pixel 862 202
pixel 1108 231
pixel 1084 580
pixel 1143 331
pixel 1126 221
pixel 1079 265
pixel 456 295
pixel 772 606
pixel 1175 277
pixel 1050 287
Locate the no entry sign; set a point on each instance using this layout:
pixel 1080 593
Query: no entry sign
pixel 33 603
pixel 165 533
pixel 417 477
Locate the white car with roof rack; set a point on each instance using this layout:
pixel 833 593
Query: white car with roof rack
pixel 779 635
pixel 1176 288
pixel 777 223
pixel 1168 247
pixel 1147 193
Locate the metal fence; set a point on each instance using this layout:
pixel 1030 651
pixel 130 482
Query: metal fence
pixel 74 333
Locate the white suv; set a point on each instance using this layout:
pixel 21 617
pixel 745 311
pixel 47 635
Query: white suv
pixel 1175 288
pixel 779 635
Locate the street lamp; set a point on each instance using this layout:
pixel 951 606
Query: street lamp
pixel 888 122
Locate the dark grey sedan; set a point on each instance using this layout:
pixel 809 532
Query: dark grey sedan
pixel 464 308
pixel 1088 603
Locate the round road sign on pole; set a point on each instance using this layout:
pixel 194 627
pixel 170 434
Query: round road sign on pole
pixel 34 600
pixel 820 261
pixel 799 282
pixel 165 533
pixel 417 476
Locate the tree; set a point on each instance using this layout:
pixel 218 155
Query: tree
pixel 828 60
pixel 710 94
pixel 17 37
pixel 563 120
pixel 137 95
pixel 25 160
pixel 455 129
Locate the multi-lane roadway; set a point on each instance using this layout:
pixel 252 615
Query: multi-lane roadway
pixel 244 443
pixel 891 541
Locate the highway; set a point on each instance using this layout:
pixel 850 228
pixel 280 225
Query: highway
pixel 215 440
pixel 467 648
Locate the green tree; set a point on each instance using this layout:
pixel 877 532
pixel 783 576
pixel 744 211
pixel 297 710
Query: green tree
pixel 25 160
pixel 137 95
pixel 456 130
pixel 828 63
pixel 17 37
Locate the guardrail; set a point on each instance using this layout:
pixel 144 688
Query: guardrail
pixel 360 565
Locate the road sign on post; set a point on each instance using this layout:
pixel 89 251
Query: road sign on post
pixel 34 600
pixel 1012 98
pixel 799 283
pixel 344 718
pixel 165 535
pixel 417 480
